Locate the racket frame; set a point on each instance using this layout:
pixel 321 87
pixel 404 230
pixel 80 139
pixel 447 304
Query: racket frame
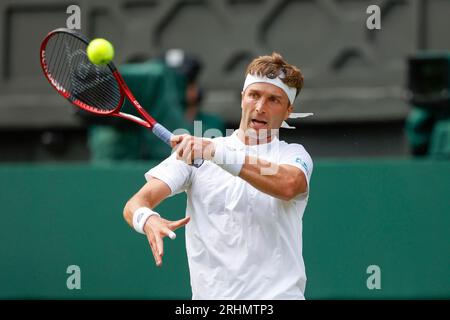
pixel 149 121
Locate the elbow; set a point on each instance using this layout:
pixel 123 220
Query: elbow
pixel 294 186
pixel 288 194
pixel 127 213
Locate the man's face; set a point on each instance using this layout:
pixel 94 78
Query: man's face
pixel 264 106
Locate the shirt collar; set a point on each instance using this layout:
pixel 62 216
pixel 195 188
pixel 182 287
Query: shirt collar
pixel 241 144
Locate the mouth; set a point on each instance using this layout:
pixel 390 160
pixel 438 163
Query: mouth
pixel 256 123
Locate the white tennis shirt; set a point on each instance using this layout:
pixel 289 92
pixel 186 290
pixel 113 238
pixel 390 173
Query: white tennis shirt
pixel 241 243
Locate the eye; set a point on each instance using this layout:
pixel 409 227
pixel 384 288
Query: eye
pixel 253 95
pixel 274 100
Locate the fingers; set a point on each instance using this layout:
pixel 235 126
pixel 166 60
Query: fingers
pixel 174 225
pixel 152 241
pixel 181 147
pixel 176 139
pixel 187 155
pixel 209 149
pixel 159 246
pixel 156 232
pixel 197 149
pixel 170 234
pixel 152 230
pixel 188 148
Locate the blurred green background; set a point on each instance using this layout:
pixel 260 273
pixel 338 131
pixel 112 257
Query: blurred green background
pixel 390 213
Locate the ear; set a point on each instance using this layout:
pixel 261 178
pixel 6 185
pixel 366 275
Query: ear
pixel 242 98
pixel 288 111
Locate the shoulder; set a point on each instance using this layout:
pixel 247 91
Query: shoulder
pixel 295 154
pixel 293 148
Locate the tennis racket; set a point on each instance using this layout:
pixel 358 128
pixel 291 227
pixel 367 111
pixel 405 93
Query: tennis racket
pixel 98 89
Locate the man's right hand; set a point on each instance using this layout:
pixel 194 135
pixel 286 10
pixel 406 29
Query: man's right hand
pixel 156 228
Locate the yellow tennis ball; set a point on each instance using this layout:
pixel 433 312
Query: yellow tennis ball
pixel 100 51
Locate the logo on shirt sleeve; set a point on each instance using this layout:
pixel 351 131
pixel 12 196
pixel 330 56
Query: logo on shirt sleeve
pixel 302 163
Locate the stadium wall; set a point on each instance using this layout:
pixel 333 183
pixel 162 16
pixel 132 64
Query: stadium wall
pixel 362 215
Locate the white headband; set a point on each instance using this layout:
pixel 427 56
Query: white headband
pixel 290 92
pixel 276 81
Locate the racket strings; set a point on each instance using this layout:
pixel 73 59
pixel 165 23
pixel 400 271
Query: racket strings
pixel 83 78
pixel 73 73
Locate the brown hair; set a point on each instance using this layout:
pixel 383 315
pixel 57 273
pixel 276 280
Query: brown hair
pixel 272 66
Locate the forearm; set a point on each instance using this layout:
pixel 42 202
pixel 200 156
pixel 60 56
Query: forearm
pixel 150 195
pixel 280 181
pixel 132 205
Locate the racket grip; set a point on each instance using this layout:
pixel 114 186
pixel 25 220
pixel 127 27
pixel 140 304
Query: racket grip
pixel 162 133
pixel 198 162
pixel 165 136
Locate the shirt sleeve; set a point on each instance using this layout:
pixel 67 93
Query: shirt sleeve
pixel 175 173
pixel 296 155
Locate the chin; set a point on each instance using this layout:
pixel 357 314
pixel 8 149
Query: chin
pixel 258 132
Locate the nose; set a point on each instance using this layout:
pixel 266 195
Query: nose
pixel 260 106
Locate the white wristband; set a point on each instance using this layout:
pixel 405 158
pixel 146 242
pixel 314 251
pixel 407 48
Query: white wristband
pixel 141 216
pixel 228 158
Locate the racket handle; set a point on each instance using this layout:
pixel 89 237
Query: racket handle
pixel 165 136
pixel 198 162
pixel 162 133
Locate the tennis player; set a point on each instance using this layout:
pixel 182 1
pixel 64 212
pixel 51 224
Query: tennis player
pixel 245 203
